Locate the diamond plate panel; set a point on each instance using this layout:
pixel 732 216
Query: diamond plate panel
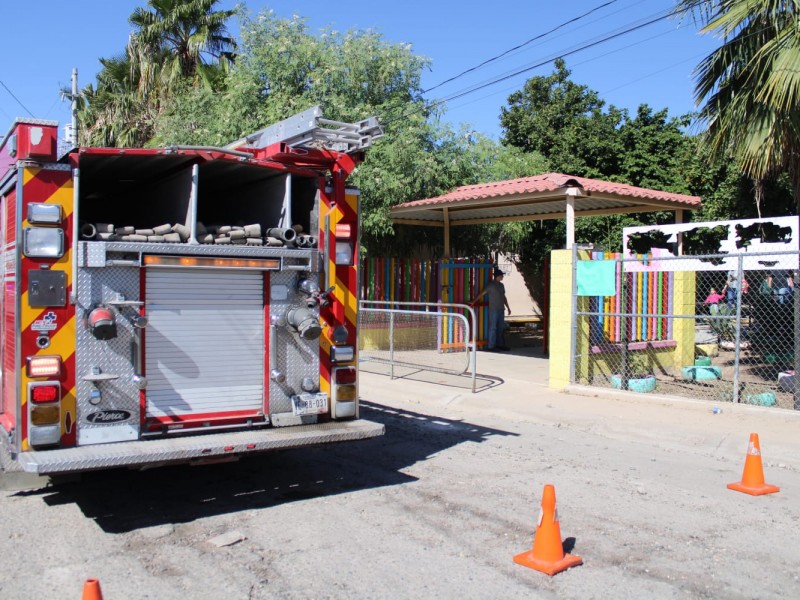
pixel 95 255
pixel 295 357
pixel 139 453
pixel 116 356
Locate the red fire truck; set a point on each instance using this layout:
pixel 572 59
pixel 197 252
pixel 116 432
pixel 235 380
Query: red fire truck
pixel 178 304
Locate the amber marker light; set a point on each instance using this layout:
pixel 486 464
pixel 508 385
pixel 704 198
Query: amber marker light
pixel 261 264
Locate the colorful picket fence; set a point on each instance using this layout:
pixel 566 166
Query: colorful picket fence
pixel 449 281
pixel 647 293
pixel 400 280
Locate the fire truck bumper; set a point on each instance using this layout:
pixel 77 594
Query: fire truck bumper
pixel 209 447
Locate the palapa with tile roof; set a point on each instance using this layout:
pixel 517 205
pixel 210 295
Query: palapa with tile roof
pixel 548 196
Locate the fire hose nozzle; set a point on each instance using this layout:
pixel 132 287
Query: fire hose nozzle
pixel 102 324
pixel 306 323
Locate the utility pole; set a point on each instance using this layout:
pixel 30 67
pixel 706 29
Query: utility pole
pixel 72 95
pixel 74 106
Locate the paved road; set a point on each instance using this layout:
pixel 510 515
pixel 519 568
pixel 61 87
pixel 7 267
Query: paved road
pixel 437 507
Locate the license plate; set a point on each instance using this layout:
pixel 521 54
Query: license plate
pixel 310 404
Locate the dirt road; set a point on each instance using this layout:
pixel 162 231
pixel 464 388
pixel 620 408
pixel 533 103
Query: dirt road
pixel 436 508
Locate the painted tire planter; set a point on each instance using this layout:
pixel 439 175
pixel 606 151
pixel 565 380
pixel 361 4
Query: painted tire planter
pixel 702 361
pixel 641 385
pixel 765 399
pixel 786 357
pixel 703 373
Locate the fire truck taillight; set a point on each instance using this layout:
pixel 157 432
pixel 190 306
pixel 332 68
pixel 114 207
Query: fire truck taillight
pixel 48 392
pixel 45 413
pixel 344 392
pixel 345 244
pixel 340 354
pixel 43 366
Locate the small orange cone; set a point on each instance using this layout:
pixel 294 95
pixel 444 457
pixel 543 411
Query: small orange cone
pixel 548 554
pixel 91 590
pixel 753 477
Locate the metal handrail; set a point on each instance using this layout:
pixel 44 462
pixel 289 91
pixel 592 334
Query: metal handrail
pixel 471 342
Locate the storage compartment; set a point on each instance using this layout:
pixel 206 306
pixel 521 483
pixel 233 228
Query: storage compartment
pixel 138 191
pixel 146 196
pixel 305 204
pixel 235 194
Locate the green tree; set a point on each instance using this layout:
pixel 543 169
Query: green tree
pixel 565 122
pixel 178 45
pixel 569 124
pixel 114 113
pixel 283 68
pixel 750 85
pixel 179 40
pixel 654 150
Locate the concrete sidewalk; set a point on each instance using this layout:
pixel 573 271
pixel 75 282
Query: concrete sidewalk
pixel 512 386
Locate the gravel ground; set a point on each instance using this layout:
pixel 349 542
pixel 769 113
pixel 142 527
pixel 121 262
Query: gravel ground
pixel 435 508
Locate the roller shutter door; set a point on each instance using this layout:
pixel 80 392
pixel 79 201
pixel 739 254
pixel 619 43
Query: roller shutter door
pixel 204 344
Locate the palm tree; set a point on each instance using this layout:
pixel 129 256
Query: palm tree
pixel 114 113
pixel 751 84
pixel 179 40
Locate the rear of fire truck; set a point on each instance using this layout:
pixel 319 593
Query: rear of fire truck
pixel 181 304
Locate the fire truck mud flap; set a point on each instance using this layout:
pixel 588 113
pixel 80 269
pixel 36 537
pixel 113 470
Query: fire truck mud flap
pixel 190 448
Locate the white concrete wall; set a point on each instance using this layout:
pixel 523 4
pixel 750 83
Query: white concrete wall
pixel 522 305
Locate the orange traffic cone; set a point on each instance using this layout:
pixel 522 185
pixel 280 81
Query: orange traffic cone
pixel 548 554
pixel 91 590
pixel 753 477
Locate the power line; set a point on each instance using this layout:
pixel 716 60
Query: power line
pixel 505 77
pixel 15 98
pixel 597 57
pixel 523 44
pixel 570 49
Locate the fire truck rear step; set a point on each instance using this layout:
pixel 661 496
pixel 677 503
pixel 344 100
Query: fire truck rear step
pixel 184 449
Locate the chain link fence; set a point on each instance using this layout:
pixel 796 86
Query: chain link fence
pixel 720 327
pixel 434 337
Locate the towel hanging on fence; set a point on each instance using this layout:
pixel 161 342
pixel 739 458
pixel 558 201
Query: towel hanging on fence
pixel 597 277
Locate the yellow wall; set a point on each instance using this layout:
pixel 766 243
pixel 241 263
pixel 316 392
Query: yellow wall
pixel 683 332
pixel 588 366
pixel 561 317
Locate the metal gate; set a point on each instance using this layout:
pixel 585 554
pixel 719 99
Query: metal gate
pixel 204 346
pixel 413 334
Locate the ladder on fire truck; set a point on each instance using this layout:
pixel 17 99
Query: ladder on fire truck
pixel 308 129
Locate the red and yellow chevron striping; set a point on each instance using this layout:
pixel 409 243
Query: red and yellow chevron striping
pixel 42 185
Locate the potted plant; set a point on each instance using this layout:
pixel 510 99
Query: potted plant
pixel 726 328
pixel 640 377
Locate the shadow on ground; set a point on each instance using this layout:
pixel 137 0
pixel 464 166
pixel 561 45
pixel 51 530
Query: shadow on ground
pixel 462 381
pixel 121 501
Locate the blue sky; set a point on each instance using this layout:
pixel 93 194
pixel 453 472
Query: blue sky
pixel 41 42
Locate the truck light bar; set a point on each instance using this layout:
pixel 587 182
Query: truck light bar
pixel 262 264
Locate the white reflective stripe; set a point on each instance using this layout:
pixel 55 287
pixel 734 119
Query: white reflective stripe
pixel 204 343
